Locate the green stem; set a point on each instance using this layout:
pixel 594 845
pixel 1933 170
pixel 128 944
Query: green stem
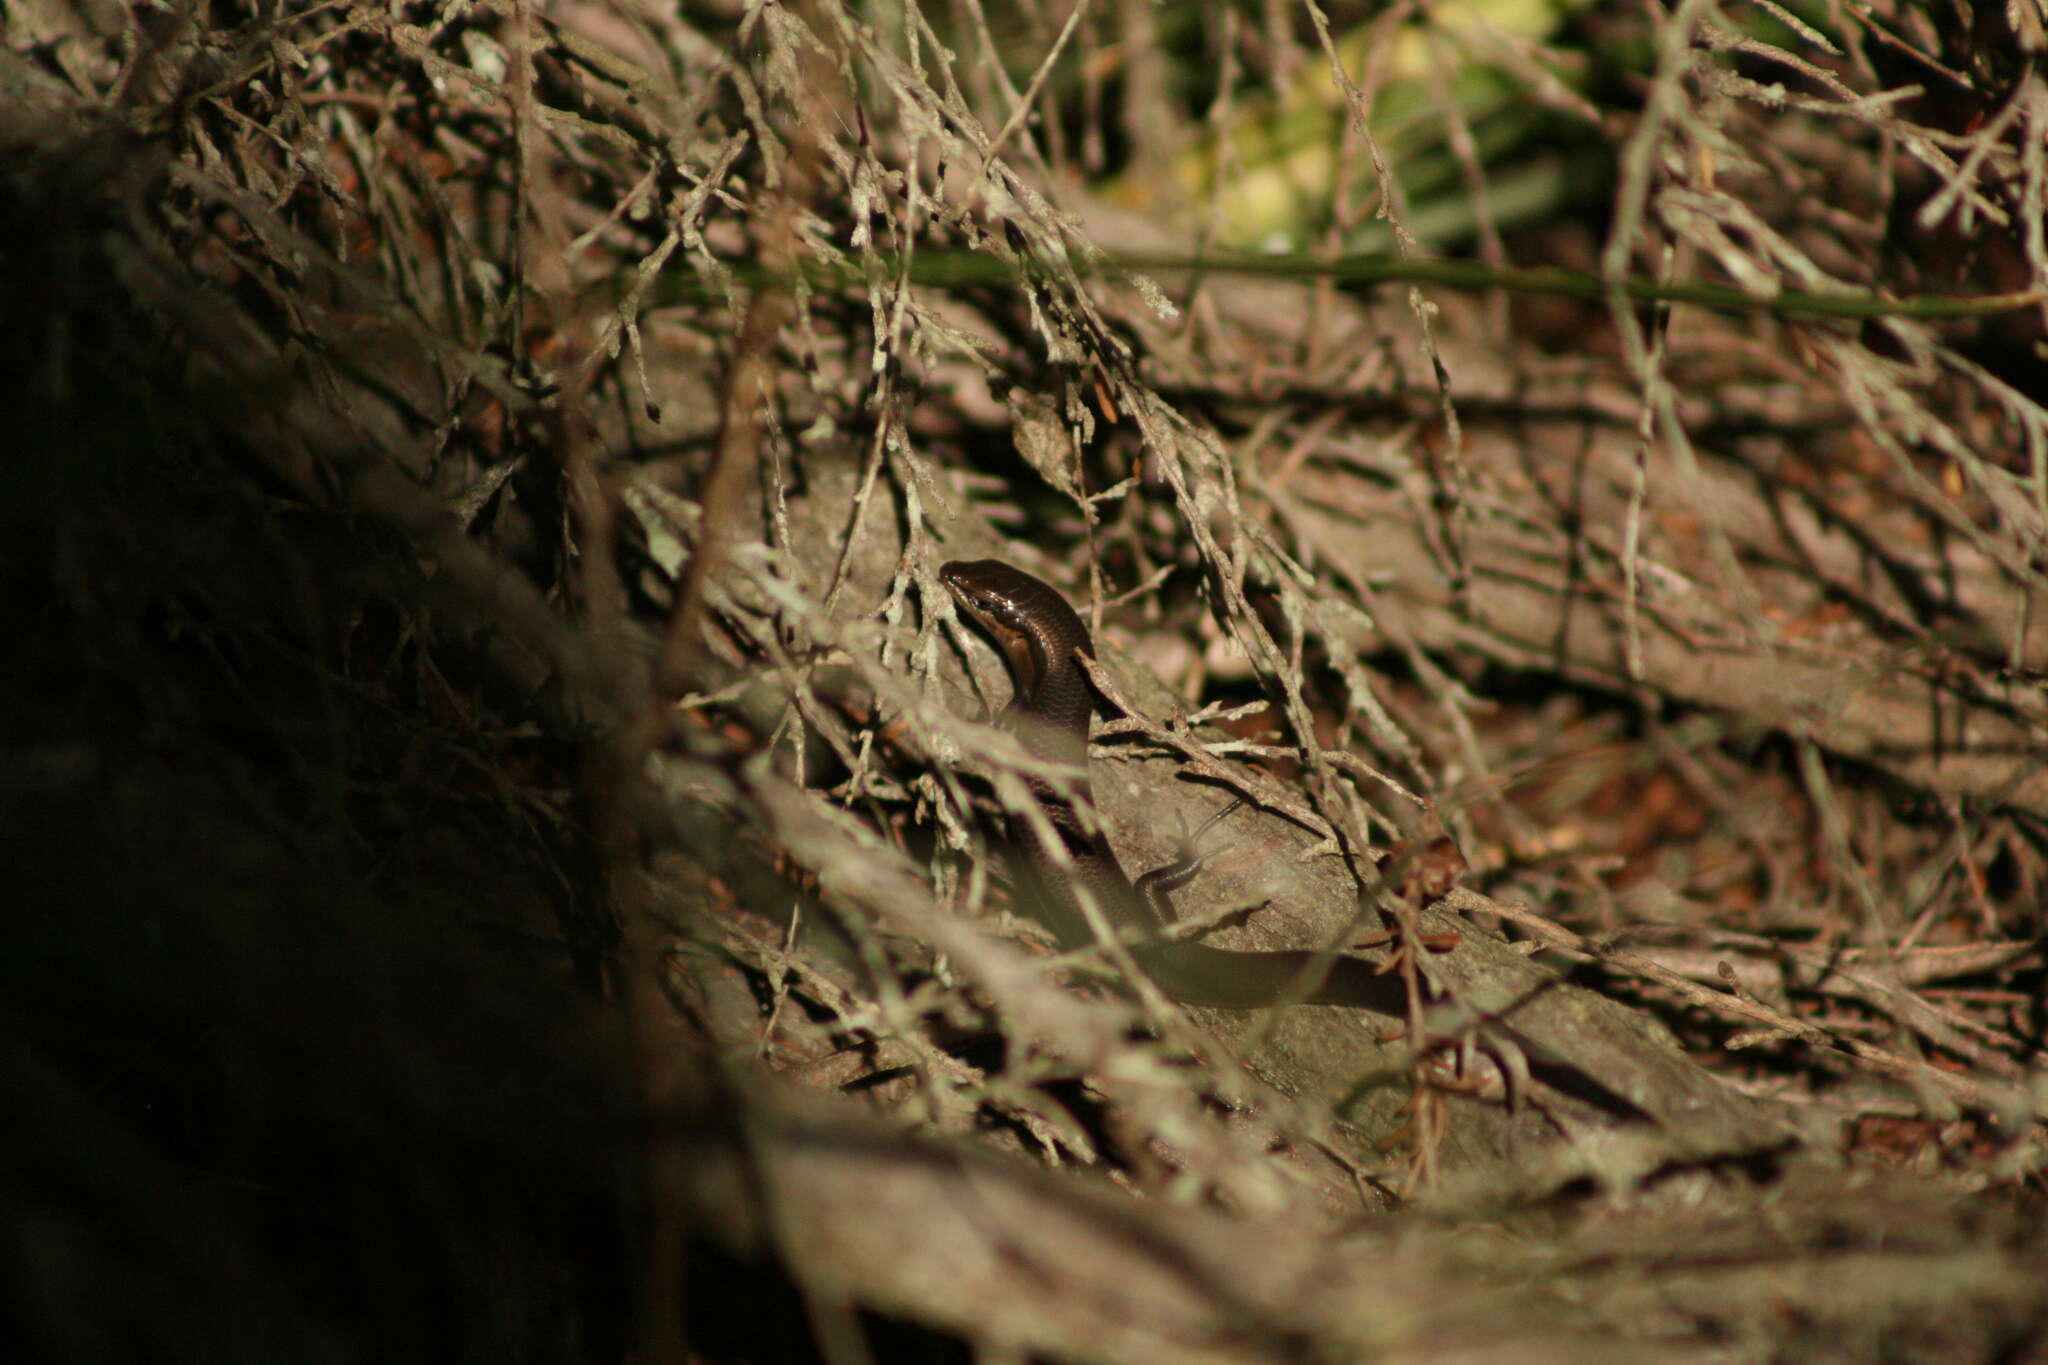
pixel 963 269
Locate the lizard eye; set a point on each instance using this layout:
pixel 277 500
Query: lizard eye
pixel 986 603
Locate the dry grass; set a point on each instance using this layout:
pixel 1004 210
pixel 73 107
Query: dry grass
pixel 483 471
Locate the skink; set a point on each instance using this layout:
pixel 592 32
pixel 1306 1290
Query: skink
pixel 1041 637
